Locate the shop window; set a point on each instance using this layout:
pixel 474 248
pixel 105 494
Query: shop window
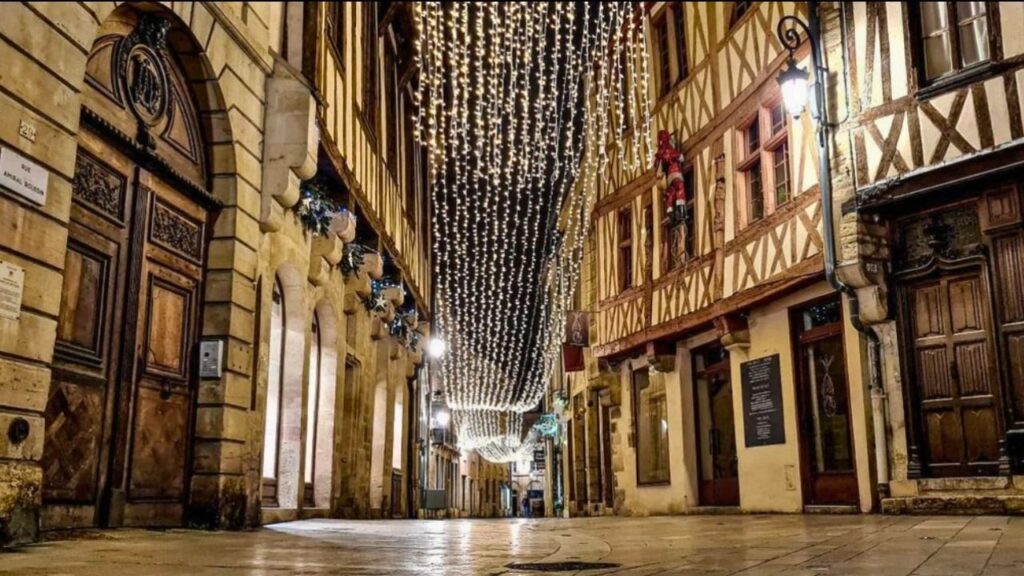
pixel 650 424
pixel 625 248
pixel 764 167
pixel 951 37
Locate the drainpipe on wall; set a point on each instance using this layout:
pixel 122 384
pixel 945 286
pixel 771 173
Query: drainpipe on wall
pixel 878 396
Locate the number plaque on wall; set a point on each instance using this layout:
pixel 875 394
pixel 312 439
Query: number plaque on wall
pixel 763 421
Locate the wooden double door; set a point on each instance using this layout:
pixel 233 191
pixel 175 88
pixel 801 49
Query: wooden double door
pixel 954 373
pixel 119 416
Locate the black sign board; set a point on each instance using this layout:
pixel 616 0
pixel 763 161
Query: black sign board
pixel 762 402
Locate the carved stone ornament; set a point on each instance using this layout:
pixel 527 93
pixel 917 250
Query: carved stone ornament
pixel 142 69
pixel 948 235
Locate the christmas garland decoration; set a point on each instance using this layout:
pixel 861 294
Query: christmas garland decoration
pixel 522 107
pixel 315 209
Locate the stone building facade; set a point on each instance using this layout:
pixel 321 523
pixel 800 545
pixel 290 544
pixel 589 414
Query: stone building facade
pixel 722 370
pixel 926 158
pixel 177 347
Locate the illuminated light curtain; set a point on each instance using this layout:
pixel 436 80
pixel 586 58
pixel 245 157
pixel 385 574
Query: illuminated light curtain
pixel 519 104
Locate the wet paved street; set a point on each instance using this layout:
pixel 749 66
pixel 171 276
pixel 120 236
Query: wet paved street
pixel 690 545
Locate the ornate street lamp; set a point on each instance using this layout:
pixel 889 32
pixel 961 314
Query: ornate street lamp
pixel 793 83
pixel 793 79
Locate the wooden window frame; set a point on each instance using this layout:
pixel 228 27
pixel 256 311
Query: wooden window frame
pixel 760 160
pixel 624 246
pixel 663 50
pixel 960 75
pixel 369 112
pixel 392 140
pixel 335 20
pixel 682 54
pixel 669 26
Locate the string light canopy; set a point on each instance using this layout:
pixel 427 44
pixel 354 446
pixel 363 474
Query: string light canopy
pixel 519 104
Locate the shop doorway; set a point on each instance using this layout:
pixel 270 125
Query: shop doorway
pixel 717 463
pixel 826 434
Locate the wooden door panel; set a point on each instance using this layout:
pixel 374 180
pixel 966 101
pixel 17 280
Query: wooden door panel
pixel 1015 359
pixel 160 445
pixel 965 301
pixel 167 337
pixel 928 314
pixel 76 410
pixel 933 376
pixel 74 433
pixel 86 278
pixel 973 371
pixel 942 429
pixel 981 439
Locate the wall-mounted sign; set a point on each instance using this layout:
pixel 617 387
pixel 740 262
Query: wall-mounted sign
pixel 577 328
pixel 763 419
pixel 12 284
pixel 23 176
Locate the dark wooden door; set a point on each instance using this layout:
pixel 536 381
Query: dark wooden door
pixel 119 415
pixel 90 335
pixel 717 460
pixel 826 432
pixel 157 403
pixel 954 375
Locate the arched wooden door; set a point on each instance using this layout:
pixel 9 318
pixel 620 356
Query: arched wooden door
pixel 119 414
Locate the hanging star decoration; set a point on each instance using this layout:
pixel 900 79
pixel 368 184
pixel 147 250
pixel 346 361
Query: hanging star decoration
pixel 522 106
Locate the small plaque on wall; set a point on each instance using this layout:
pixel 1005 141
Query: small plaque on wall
pixel 23 176
pixel 763 418
pixel 12 284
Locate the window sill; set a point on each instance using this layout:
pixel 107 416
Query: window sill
pixel 975 73
pixel 658 484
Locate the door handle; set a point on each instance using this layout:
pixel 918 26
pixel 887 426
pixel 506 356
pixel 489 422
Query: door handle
pixel 954 370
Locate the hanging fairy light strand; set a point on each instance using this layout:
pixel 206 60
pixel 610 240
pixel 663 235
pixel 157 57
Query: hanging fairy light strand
pixel 519 104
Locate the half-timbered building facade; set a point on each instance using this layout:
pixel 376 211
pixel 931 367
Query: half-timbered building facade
pixel 715 373
pixel 929 143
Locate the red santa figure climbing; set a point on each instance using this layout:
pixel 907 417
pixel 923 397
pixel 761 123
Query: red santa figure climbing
pixel 670 161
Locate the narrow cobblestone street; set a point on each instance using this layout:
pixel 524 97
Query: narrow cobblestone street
pixel 747 545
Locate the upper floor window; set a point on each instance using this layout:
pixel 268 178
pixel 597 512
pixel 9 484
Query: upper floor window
pixel 392 114
pixel 625 248
pixel 739 9
pixel 336 26
pixel 371 70
pixel 953 36
pixel 670 41
pixel 764 172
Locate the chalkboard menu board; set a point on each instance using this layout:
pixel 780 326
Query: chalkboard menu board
pixel 762 402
